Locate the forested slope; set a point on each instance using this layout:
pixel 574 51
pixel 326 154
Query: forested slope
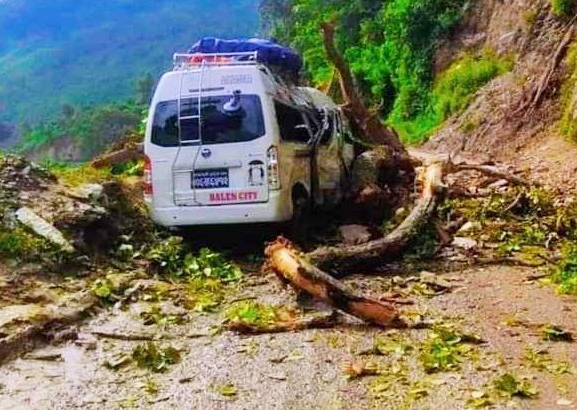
pixel 63 52
pixel 458 71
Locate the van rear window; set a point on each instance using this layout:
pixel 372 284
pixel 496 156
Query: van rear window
pixel 219 126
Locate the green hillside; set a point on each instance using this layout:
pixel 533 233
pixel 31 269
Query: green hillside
pixel 63 52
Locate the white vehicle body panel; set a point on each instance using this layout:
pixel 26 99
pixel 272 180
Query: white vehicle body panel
pixel 219 180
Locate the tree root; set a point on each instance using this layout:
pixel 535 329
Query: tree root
pixel 537 94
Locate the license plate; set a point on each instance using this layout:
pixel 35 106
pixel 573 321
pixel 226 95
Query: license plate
pixel 211 178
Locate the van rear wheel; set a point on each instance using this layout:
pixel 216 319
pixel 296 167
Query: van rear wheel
pixel 300 223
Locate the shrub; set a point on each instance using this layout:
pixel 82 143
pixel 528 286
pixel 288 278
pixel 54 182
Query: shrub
pixel 562 8
pixel 453 92
pixel 171 258
pixel 18 244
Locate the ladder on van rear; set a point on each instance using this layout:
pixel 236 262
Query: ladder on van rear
pixel 197 64
pixel 181 118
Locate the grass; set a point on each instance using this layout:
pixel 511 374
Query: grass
pixel 19 244
pixel 453 92
pixel 73 175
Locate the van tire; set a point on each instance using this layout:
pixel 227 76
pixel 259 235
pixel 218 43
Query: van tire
pixel 300 223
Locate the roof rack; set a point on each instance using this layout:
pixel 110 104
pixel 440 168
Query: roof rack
pixel 184 61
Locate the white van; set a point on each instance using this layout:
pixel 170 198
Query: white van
pixel 256 151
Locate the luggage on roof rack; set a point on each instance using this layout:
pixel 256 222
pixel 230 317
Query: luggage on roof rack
pixel 283 60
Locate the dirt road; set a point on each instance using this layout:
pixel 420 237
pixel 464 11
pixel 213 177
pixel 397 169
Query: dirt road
pixel 222 370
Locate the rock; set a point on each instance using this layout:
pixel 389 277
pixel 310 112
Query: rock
pixel 355 234
pixel 499 184
pixel 86 340
pixel 470 226
pixel 28 217
pixel 91 192
pixel 564 402
pixel 464 243
pixel 48 354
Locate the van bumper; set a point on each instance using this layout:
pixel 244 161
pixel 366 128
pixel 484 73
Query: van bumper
pixel 277 209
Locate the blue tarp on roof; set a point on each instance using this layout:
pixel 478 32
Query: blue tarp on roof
pixel 269 52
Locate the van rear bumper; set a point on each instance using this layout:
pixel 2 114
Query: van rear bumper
pixel 276 210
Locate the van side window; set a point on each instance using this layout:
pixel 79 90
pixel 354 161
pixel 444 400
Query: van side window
pixel 291 124
pixel 165 124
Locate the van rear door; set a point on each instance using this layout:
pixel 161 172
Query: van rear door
pixel 221 159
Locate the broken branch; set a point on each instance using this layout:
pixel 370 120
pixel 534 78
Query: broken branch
pixel 492 171
pixel 291 267
pixel 373 130
pixel 131 152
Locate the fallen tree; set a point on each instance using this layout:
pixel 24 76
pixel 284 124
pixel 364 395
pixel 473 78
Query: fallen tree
pixel 389 161
pixel 393 244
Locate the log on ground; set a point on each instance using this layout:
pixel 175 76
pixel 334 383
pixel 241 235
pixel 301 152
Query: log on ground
pixel 292 268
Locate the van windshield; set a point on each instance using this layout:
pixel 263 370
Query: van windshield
pixel 219 126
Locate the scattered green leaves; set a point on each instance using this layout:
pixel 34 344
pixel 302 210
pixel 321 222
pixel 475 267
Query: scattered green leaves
pixel 540 360
pixel 155 358
pixel 110 288
pixel 565 274
pixel 171 258
pixel 250 314
pixel 445 349
pixel 507 385
pixel 228 390
pixel 554 333
pixel 156 316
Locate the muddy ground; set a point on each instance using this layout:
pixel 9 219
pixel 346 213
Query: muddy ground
pixel 504 306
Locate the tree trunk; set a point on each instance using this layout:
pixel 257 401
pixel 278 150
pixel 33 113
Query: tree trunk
pixel 373 130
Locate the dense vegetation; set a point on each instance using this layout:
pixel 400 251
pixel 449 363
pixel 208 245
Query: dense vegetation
pixel 390 46
pixel 562 7
pixel 60 52
pixel 89 129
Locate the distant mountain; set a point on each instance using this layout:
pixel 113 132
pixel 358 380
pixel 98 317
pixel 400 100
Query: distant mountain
pixel 56 52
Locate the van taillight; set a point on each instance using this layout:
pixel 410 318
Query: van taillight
pixel 273 168
pixel 147 177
